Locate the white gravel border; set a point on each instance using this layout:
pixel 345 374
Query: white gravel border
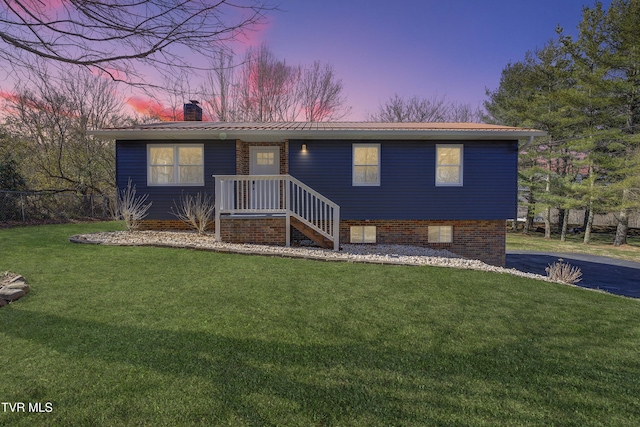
pixel 375 254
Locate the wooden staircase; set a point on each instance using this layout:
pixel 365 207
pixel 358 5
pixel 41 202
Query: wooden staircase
pixel 313 214
pixel 311 233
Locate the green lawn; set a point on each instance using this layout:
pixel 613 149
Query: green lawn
pixel 140 336
pixel 601 244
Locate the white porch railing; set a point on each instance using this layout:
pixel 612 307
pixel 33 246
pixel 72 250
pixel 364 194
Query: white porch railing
pixel 276 194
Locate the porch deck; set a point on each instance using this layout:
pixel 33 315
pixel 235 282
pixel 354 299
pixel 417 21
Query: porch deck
pixel 283 195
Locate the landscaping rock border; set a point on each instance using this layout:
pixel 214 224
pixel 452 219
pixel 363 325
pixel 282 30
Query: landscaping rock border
pixel 12 287
pixel 373 254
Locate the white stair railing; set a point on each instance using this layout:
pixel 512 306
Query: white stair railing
pixel 273 194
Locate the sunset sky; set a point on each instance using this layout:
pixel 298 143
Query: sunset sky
pixel 455 48
pixel 428 48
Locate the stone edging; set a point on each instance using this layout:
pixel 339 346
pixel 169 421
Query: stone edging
pixel 182 242
pixel 12 287
pixel 236 251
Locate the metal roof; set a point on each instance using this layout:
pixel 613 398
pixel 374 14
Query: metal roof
pixel 280 131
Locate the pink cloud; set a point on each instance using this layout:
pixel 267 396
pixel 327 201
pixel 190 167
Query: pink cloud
pixel 154 108
pixel 33 104
pixel 252 36
pixel 9 96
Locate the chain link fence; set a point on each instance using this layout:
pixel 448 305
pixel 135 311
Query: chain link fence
pixel 32 206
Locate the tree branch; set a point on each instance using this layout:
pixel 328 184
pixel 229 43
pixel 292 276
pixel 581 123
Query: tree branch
pixel 114 36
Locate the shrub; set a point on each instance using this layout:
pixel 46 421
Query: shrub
pixel 564 272
pixel 196 211
pixel 131 209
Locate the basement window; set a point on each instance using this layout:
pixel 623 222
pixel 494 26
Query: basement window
pixel 440 234
pixel 363 234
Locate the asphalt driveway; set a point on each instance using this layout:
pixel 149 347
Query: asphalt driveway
pixel 608 274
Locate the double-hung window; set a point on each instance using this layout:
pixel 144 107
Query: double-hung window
pixel 366 164
pixel 449 164
pixel 175 164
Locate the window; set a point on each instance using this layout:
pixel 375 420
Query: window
pixel 363 234
pixel 175 164
pixel 265 158
pixel 366 164
pixel 449 165
pixel 440 234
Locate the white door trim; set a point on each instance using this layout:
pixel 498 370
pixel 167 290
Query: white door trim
pixel 255 169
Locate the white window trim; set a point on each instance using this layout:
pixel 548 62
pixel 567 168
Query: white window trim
pixel 176 165
pixel 461 165
pixel 353 166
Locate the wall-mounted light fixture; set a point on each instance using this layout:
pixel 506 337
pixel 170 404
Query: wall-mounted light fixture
pixel 304 148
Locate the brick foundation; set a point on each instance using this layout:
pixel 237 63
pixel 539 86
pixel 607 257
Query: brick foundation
pixel 483 240
pixel 261 231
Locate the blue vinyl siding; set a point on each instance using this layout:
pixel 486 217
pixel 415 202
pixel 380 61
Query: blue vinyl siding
pixel 407 180
pixel 131 162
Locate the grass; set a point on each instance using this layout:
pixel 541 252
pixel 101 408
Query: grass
pixel 601 244
pixel 141 336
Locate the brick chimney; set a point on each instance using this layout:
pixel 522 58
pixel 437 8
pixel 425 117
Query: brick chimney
pixel 192 112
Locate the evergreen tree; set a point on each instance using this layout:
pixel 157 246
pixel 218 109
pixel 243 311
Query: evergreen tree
pixel 623 42
pixel 590 98
pixel 532 93
pixel 10 178
pixel 607 98
pixel 586 94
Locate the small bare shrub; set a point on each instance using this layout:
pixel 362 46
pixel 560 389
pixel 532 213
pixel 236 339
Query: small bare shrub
pixel 196 211
pixel 564 272
pixel 131 209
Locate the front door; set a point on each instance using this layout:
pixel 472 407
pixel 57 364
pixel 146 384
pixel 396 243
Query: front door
pixel 264 160
pixel 265 193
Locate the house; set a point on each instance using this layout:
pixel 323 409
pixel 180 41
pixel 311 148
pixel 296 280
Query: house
pixel 441 185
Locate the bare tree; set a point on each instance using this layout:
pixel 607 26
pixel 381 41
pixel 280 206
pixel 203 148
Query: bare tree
pixel 268 87
pixel 264 88
pixel 464 113
pixel 398 109
pixel 114 36
pixel 52 118
pixel 415 109
pixel 177 91
pixel 219 89
pixel 321 94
